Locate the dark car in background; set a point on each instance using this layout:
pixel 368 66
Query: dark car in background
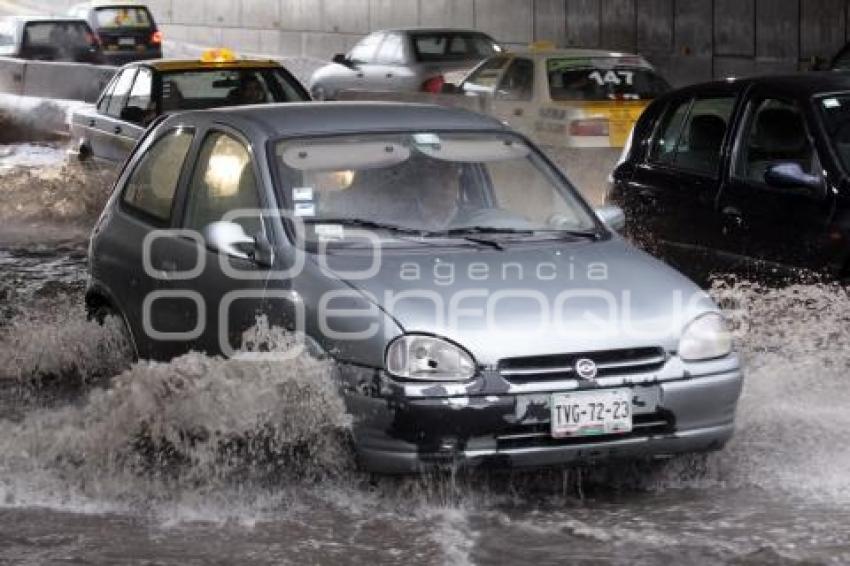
pixel 126 32
pixel 140 92
pixel 746 176
pixel 404 60
pixel 49 39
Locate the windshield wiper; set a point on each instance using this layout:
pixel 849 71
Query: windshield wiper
pixel 466 230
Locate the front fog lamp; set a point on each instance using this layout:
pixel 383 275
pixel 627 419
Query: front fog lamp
pixel 428 359
pixel 705 338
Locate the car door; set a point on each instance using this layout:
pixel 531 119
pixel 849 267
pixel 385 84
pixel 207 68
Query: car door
pixel 513 96
pixel 672 192
pixel 224 186
pixel 362 72
pixel 118 136
pixel 389 72
pixel 133 250
pixel 761 221
pixel 84 122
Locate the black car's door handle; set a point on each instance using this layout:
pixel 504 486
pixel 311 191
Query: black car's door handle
pixel 117 129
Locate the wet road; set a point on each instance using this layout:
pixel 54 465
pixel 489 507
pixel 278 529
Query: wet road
pixel 75 487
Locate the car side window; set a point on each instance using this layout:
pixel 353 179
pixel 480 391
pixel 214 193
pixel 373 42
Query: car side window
pixel 140 95
pixel 775 133
pixel 391 51
pixel 518 81
pixel 692 133
pixel 120 93
pixel 366 48
pixel 152 184
pixel 103 105
pixel 485 77
pixel 223 181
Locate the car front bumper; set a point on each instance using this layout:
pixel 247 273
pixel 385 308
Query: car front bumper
pixel 413 435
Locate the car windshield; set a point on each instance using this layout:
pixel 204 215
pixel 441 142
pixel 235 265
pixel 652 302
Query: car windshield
pixel 452 46
pixel 211 88
pixel 426 185
pixel 611 78
pixel 62 39
pixel 836 118
pixel 113 18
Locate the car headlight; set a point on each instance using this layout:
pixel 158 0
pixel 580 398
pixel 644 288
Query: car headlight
pixel 706 337
pixel 428 358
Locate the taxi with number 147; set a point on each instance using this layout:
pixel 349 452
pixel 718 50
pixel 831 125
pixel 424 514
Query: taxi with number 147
pixel 567 97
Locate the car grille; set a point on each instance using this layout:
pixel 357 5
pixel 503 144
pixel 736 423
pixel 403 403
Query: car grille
pixel 562 366
pixel 539 435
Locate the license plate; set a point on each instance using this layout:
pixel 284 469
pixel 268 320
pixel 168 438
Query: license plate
pixel 127 41
pixel 591 413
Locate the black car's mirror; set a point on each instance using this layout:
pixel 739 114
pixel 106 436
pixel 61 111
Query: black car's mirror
pixel 612 216
pixel 230 239
pixel 790 175
pixel 341 59
pixel 133 114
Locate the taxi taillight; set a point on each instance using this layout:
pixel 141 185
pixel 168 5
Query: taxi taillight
pixel 434 85
pixel 156 37
pixel 589 127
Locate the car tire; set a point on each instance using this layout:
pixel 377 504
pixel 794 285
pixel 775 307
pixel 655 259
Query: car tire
pixel 99 310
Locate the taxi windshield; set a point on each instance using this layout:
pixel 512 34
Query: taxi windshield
pixel 603 79
pixel 210 88
pixel 426 184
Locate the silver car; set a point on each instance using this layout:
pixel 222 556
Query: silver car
pixel 408 60
pixel 475 309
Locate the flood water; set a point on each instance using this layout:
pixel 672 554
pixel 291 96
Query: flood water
pixel 203 460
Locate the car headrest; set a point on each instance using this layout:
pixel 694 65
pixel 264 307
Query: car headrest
pixel 706 132
pixel 779 130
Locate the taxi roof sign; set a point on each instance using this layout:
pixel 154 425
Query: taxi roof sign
pixel 221 55
pixel 542 45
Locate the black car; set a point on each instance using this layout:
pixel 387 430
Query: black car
pixel 748 176
pixel 49 39
pixel 126 32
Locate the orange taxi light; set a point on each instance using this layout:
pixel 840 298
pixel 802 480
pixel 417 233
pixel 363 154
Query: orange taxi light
pixel 218 56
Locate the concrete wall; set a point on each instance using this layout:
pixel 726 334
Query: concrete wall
pixel 689 40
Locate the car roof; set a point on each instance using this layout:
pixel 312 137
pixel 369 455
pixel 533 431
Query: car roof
pixel 430 30
pixel 197 64
pixel 572 53
pixel 294 119
pixel 801 84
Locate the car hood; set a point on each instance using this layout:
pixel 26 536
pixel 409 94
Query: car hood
pixel 529 300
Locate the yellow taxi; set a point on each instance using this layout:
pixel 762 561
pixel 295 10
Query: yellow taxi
pixel 567 97
pixel 144 90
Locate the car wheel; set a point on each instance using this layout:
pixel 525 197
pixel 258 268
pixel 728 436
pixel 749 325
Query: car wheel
pixel 100 311
pixel 84 152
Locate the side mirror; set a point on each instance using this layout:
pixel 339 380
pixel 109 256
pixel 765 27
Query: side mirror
pixel 341 59
pixel 230 239
pixel 612 216
pixel 133 114
pixel 791 176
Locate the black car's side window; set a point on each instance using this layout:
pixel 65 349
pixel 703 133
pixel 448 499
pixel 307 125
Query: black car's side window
pixel 152 184
pixel 223 182
pixel 122 90
pixel 775 133
pixel 692 133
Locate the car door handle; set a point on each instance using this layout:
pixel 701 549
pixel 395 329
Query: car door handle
pixel 117 129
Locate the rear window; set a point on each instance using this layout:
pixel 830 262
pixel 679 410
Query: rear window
pixel 442 46
pixel 113 18
pixel 58 35
pixel 603 79
pixel 210 88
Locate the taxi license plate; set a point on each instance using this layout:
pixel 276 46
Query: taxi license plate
pixel 591 413
pixel 127 41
